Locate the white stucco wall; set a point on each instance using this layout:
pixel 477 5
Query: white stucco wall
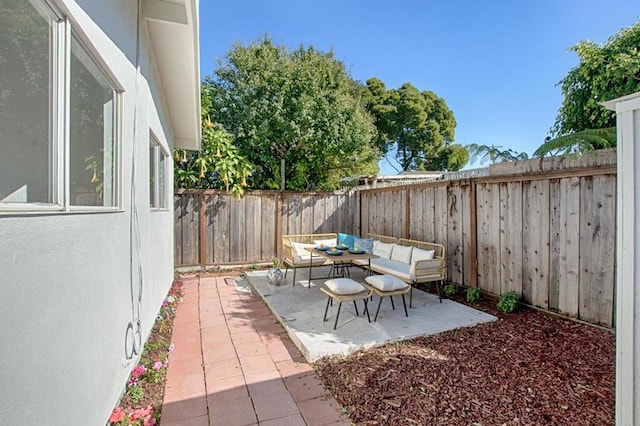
pixel 66 278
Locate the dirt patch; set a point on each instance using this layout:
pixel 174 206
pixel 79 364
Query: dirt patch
pixel 524 368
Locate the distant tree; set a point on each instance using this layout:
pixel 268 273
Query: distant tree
pixel 300 106
pixel 604 73
pixel 584 140
pixel 419 125
pixel 493 154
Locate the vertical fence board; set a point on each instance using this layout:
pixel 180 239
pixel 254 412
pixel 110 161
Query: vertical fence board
pixel 178 209
pixel 268 225
pixel 455 265
pixel 535 235
pixel 429 210
pixel 397 212
pixel 597 249
pixel 511 237
pixel 221 229
pixel 565 247
pixel 190 230
pixel 467 235
pixel 488 237
pixel 237 225
pixel 416 225
pixel 210 228
pixel 364 213
pixel 254 219
pixel 441 216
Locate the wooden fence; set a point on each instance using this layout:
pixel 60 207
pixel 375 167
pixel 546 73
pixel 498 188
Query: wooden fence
pixel 544 228
pixel 214 228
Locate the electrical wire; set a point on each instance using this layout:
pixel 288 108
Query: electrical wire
pixel 134 327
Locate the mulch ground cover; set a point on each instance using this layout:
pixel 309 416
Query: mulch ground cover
pixel 526 368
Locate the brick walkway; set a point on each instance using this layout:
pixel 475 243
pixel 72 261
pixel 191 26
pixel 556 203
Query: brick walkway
pixel 233 364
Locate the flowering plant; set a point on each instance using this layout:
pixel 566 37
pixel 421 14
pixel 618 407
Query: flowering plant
pixel 142 401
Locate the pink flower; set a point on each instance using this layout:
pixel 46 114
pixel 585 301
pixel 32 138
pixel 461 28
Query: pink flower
pixel 139 371
pixel 157 366
pixel 171 347
pixel 133 381
pixel 116 415
pixel 143 413
pixel 149 421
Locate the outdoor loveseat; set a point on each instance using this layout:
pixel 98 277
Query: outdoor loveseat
pixel 412 261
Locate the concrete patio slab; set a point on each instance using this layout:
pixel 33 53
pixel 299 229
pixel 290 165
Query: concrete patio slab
pixel 300 309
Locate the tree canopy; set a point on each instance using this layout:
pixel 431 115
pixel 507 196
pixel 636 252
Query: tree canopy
pixel 605 72
pixel 418 124
pixel 300 106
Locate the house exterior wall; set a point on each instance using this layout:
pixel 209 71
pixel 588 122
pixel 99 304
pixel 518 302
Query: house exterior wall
pixel 68 278
pixel 627 111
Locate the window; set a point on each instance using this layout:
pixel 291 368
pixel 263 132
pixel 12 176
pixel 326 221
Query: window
pixel 157 175
pixel 58 114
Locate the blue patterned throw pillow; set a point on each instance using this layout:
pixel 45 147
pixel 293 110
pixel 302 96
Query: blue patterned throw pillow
pixel 365 244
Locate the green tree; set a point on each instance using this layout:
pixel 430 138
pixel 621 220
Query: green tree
pixel 218 164
pixel 418 124
pixel 605 72
pixel 299 106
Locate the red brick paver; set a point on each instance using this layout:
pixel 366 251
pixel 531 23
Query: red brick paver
pixel 234 365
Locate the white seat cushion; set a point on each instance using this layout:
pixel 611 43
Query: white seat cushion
pixel 401 253
pixel 386 282
pixel 391 267
pixel 344 286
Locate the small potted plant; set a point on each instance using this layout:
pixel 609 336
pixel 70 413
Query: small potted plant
pixel 275 274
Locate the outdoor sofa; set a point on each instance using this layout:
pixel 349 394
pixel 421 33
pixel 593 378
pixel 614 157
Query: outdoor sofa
pixel 412 261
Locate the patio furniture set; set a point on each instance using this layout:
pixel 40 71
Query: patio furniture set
pixel 393 266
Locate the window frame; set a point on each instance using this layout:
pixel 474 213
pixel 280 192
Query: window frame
pixel 62 29
pixel 159 201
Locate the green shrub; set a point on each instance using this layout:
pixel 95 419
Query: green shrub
pixel 450 290
pixel 474 294
pixel 508 302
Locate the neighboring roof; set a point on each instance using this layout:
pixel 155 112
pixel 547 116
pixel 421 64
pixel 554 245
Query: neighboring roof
pixel 174 33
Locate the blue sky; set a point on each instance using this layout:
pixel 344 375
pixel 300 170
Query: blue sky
pixel 496 63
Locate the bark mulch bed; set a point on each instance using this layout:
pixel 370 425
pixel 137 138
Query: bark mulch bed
pixel 525 368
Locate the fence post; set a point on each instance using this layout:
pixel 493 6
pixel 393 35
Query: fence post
pixel 473 279
pixel 278 233
pixel 202 238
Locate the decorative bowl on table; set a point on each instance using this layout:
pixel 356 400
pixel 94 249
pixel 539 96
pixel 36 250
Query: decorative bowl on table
pixel 356 250
pixel 342 246
pixel 334 251
pixel 322 247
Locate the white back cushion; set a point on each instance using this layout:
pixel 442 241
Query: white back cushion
pixel 401 254
pixel 328 243
pixel 420 254
pixel 299 252
pixel 383 249
pixel 344 286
